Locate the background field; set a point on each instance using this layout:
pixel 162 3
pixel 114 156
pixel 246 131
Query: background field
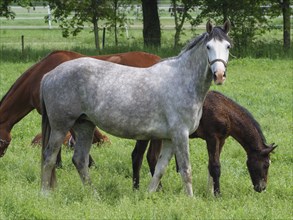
pixel 264 86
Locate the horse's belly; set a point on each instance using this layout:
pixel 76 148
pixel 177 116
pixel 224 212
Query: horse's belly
pixel 132 128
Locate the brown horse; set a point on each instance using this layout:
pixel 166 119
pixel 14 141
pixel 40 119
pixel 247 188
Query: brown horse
pixel 221 118
pixel 24 94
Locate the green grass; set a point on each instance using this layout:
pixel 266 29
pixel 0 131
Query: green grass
pixel 263 86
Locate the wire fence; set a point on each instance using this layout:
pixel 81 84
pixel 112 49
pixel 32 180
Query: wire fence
pixel 29 30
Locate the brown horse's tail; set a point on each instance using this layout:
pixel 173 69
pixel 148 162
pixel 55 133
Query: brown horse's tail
pixel 46 131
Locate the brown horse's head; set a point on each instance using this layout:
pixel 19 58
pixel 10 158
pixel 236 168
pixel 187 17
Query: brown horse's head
pixel 258 163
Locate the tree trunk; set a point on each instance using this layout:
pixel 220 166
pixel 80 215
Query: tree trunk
pixel 151 23
pixel 115 22
pixel 286 23
pixel 96 33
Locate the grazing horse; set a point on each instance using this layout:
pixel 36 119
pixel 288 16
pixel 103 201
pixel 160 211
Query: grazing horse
pixel 221 118
pixel 24 94
pixel 163 101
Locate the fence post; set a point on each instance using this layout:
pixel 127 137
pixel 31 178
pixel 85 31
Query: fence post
pixel 22 44
pixel 49 17
pixel 104 35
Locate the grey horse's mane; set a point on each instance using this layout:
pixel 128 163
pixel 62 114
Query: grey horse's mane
pixel 192 43
pixel 216 33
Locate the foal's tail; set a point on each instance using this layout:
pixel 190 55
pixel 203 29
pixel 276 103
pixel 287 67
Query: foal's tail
pixel 46 131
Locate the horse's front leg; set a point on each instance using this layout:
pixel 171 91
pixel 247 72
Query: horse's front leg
pixel 166 153
pixel 182 157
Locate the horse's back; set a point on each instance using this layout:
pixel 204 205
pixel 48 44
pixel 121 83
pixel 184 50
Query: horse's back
pixel 133 58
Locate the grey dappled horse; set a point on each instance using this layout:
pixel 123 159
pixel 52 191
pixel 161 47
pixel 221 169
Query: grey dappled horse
pixel 160 102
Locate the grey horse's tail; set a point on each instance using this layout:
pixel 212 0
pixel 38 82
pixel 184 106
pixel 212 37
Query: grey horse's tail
pixel 46 131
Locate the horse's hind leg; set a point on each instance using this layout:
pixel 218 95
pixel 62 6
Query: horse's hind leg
pixel 84 135
pixel 49 159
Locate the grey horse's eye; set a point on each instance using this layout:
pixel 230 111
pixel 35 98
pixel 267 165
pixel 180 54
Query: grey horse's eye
pixel 208 47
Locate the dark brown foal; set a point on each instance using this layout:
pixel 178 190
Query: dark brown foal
pixel 221 118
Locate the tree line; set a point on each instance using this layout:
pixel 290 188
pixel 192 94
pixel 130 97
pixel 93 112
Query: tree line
pixel 249 18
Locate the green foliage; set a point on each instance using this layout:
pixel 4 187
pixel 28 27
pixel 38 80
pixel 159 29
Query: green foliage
pixel 248 18
pixel 117 17
pixel 181 11
pixel 71 15
pixel 5 10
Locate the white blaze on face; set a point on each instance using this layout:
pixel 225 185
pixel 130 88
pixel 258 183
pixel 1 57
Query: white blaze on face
pixel 217 51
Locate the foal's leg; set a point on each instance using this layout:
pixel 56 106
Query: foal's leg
pixel 84 135
pixel 137 157
pixel 49 159
pixel 214 146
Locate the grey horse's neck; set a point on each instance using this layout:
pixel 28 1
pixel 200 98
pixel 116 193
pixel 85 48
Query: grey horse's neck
pixel 194 63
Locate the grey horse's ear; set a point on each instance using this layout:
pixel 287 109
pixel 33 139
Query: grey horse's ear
pixel 209 27
pixel 227 26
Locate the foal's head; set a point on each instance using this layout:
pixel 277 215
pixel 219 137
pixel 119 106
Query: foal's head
pixel 218 45
pixel 258 163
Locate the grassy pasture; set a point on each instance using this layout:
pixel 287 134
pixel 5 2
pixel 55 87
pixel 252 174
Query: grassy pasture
pixel 263 86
